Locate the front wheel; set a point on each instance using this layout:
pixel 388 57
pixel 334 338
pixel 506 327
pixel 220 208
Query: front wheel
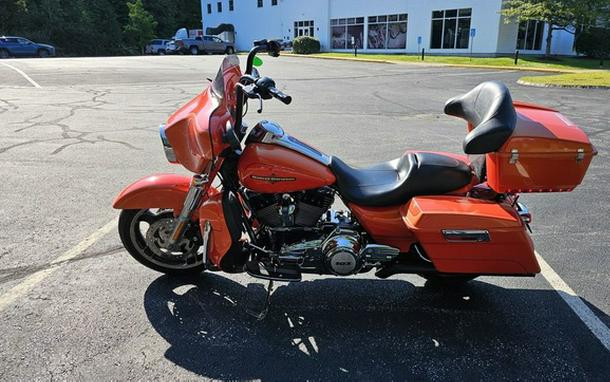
pixel 43 53
pixel 229 50
pixel 145 234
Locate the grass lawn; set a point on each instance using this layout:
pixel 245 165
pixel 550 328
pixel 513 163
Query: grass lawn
pixel 592 78
pixel 560 63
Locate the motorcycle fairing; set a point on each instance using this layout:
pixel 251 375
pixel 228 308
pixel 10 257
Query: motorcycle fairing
pixel 223 211
pixel 154 191
pixel 195 131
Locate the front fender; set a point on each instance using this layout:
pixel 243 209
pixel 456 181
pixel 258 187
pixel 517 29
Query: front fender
pixel 155 191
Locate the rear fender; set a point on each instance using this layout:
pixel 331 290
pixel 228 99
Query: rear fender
pixel 155 191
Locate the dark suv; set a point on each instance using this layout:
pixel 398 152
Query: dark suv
pixel 22 47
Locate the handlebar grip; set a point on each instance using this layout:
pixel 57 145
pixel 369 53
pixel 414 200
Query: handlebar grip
pixel 285 98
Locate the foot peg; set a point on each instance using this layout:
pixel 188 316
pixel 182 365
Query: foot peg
pixel 273 273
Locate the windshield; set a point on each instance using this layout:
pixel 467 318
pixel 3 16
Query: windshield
pixel 218 85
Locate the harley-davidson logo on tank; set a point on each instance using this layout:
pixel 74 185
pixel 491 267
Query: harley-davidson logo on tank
pixel 273 179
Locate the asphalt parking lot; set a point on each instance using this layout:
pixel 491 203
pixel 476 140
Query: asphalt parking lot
pixel 75 306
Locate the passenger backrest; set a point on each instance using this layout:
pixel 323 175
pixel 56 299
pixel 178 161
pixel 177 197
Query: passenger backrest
pixel 489 108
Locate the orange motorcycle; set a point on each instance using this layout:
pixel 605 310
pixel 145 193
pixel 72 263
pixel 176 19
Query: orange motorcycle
pixel 261 201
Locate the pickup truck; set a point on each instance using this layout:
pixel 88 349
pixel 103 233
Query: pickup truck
pixel 200 45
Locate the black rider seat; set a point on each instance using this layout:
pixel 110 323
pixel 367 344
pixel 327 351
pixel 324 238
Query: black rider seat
pixel 489 110
pixel 395 182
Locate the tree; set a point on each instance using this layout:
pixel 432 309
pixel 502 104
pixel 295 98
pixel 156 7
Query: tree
pixel 567 15
pixel 141 25
pixel 10 13
pixel 164 12
pixel 594 42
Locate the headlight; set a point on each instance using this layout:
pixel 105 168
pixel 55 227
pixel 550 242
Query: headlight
pixel 167 148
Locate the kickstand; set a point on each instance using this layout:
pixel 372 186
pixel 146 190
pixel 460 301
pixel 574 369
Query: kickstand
pixel 263 313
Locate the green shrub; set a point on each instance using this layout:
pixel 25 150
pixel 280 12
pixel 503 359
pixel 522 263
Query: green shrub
pixel 594 42
pixel 306 45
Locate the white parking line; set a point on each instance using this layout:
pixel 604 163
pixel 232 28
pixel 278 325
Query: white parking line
pixel 26 285
pixel 595 325
pixel 30 80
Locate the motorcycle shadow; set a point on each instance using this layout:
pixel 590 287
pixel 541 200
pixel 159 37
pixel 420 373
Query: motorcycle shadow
pixel 342 328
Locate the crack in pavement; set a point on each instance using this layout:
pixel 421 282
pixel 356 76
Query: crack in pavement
pixel 8 106
pixel 95 102
pixel 15 273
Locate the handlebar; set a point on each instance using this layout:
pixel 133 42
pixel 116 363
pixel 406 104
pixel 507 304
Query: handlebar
pixel 279 95
pixel 271 47
pixel 261 90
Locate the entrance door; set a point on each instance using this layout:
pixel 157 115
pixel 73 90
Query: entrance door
pixel 303 28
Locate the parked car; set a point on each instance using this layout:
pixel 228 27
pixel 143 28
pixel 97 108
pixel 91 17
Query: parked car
pixel 285 44
pixel 200 45
pixel 22 47
pixel 156 47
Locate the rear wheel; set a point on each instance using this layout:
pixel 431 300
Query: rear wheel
pixel 447 279
pixel 161 52
pixel 145 234
pixel 4 53
pixel 194 50
pixel 43 53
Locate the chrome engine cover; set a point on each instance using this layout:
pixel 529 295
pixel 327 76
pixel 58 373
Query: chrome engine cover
pixel 341 251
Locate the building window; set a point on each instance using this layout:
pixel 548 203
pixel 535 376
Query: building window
pixel 530 35
pixel 259 3
pixel 219 7
pixel 388 32
pixel 342 31
pixel 451 29
pixel 273 2
pixel 231 5
pixel 303 28
pixel 209 8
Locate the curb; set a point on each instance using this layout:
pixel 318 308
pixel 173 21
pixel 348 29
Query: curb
pixel 476 66
pixel 372 60
pixel 537 85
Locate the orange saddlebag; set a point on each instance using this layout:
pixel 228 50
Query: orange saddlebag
pixel 546 153
pixel 467 235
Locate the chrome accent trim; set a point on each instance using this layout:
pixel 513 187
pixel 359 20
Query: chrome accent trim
pixel 514 156
pixel 170 154
pixel 524 213
pixel 466 235
pixel 207 230
pixel 580 155
pixel 193 197
pixel 275 135
pixel 421 255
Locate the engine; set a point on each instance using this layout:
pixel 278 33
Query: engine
pixel 296 209
pixel 301 230
pixel 341 251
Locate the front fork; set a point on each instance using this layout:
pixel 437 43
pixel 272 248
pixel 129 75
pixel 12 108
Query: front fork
pixel 199 185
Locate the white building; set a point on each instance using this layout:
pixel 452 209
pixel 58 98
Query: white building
pixel 385 26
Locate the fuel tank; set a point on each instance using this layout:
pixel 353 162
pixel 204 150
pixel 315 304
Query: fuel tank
pixel 271 168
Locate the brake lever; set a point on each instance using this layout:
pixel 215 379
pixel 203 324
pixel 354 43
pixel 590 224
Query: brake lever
pixel 260 103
